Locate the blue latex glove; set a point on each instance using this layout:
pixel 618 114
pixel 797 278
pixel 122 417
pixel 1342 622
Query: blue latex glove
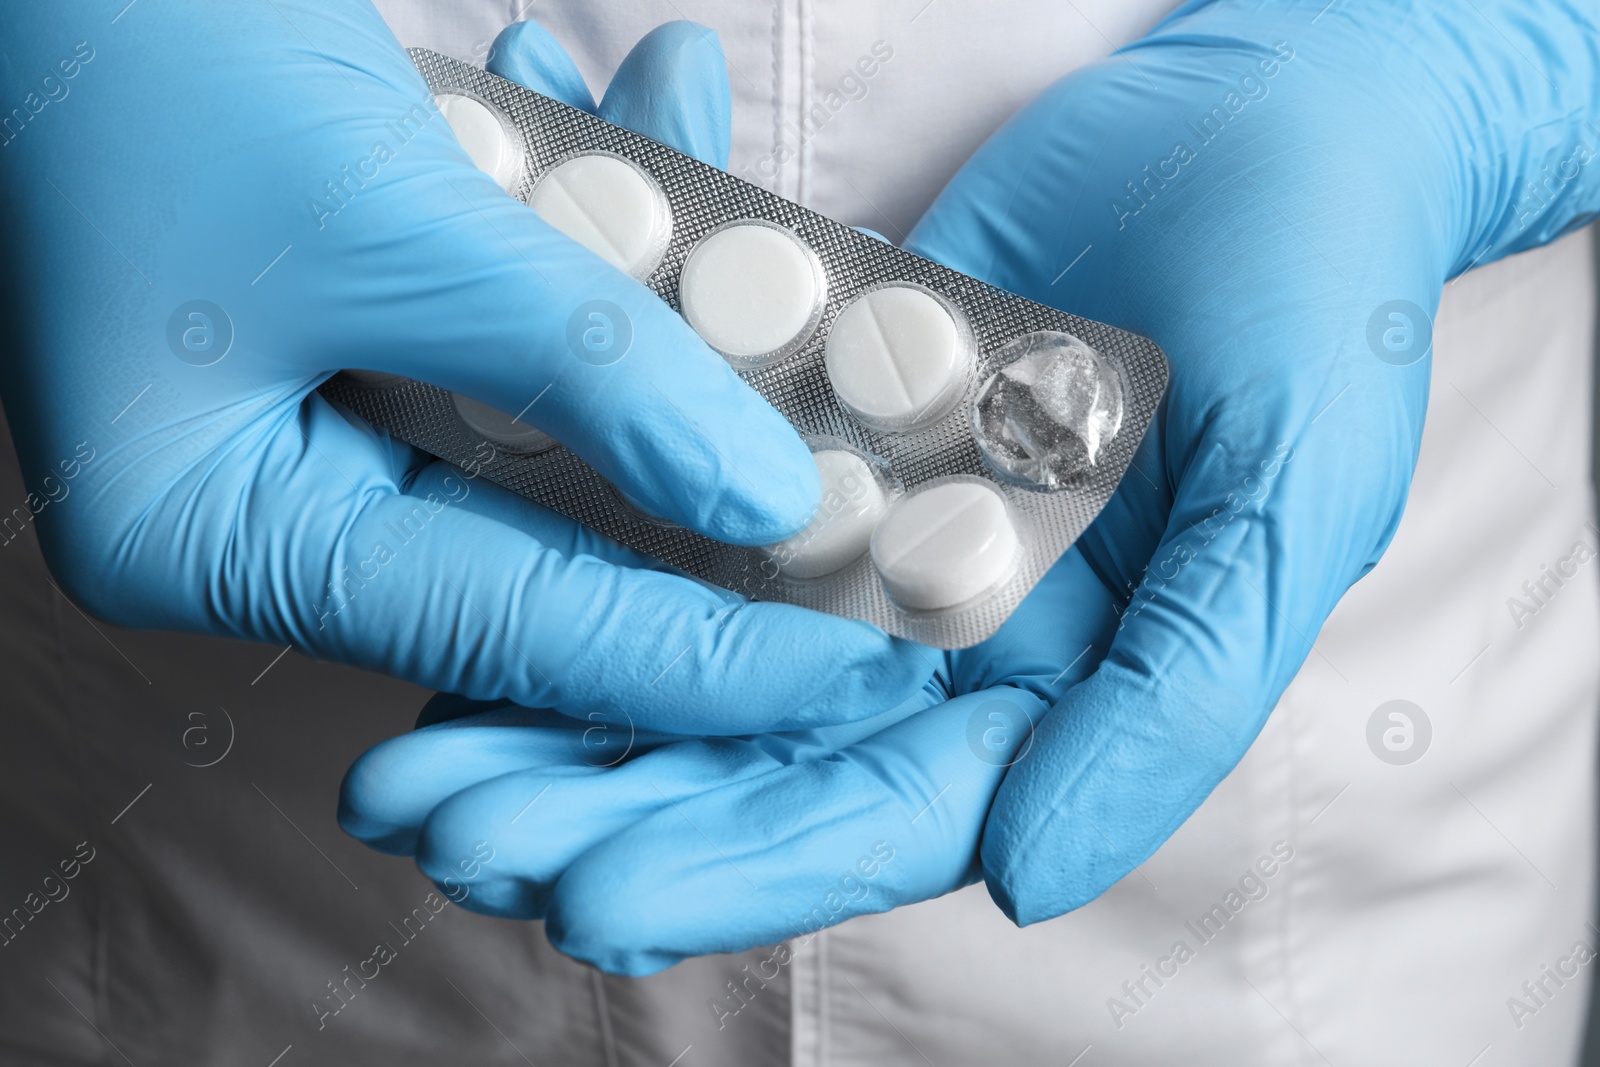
pixel 639 849
pixel 284 163
pixel 1338 180
pixel 1276 193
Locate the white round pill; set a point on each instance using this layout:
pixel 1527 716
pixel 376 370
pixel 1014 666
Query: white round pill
pixel 496 427
pixel 490 142
pixel 945 545
pixel 608 206
pixel 841 529
pixel 752 290
pixel 896 358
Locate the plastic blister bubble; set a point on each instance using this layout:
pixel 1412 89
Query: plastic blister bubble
pixel 1045 416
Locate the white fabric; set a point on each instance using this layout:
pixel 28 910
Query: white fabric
pixel 1420 900
pixel 1415 901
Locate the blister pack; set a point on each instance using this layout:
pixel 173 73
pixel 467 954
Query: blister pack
pixel 965 436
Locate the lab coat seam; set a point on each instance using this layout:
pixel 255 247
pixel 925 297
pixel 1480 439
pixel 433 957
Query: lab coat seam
pixel 806 45
pixel 777 80
pixel 804 1014
pixel 806 992
pixel 797 999
pixel 1283 933
pixel 824 1000
pixel 602 1013
pixel 99 979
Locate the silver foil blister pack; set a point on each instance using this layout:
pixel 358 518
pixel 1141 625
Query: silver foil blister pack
pixel 948 493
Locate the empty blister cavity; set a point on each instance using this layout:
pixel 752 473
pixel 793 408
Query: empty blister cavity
pixel 609 206
pixel 495 426
pixel 898 357
pixel 945 545
pixel 753 291
pixel 489 138
pixel 853 503
pixel 1044 417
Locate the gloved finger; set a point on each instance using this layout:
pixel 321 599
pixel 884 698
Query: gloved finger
pixel 673 88
pixel 1272 478
pixel 573 539
pixel 550 529
pixel 421 474
pixel 390 791
pixel 1055 638
pixel 524 52
pixel 536 839
pixel 482 297
pixel 410 584
pixel 890 821
pixel 538 820
pixel 1259 547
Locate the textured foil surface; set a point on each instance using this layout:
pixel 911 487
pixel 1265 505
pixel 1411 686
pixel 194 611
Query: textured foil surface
pixel 701 198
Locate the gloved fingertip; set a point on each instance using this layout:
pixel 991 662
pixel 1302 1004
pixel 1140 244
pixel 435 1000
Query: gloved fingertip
pixel 1036 883
pixel 1026 907
pixel 604 937
pixel 1002 898
pixel 760 486
pixel 366 821
pixel 673 88
pixel 785 506
pixel 525 53
pixel 501 898
pixel 391 841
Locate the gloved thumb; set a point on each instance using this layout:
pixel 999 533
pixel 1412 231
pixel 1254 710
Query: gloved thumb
pixel 672 87
pixel 667 420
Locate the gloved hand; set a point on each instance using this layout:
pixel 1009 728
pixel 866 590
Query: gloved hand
pixel 1276 194
pixel 283 165
pixel 1268 248
pixel 640 849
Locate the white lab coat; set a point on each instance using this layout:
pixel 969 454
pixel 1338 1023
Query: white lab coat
pixel 1334 907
